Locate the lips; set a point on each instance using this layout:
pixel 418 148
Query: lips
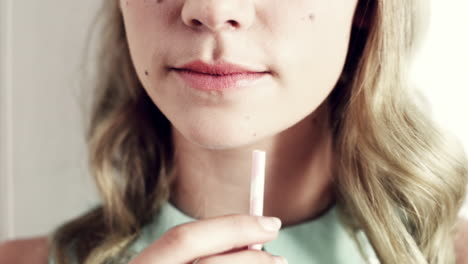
pixel 221 68
pixel 218 77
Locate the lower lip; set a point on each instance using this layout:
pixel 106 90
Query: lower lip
pixel 208 82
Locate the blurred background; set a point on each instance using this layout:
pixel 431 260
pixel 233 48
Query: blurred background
pixel 44 180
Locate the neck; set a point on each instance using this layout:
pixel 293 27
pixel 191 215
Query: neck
pixel 298 174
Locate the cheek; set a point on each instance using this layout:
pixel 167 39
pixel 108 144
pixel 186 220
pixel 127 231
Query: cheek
pixel 313 47
pixel 145 21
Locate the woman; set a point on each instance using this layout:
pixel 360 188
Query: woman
pixel 189 87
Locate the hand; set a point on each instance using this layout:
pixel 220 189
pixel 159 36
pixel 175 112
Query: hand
pixel 222 240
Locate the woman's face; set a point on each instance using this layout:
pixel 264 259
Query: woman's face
pixel 294 49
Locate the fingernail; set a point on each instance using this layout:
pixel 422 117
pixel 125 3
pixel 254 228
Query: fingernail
pixel 270 223
pixel 280 260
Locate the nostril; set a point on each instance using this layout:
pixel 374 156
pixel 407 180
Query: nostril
pixel 233 23
pixel 196 22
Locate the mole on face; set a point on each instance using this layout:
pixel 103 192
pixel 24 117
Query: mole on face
pixel 146 73
pixel 311 17
pixel 159 1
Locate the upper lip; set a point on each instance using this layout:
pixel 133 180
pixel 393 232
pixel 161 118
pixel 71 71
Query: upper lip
pixel 219 68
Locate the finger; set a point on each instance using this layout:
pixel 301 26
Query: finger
pixel 207 237
pixel 244 256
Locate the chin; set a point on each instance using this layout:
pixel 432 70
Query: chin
pixel 219 142
pixel 219 139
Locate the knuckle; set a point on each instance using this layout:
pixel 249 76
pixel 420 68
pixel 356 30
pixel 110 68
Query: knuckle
pixel 240 223
pixel 236 221
pixel 179 236
pixel 241 229
pixel 261 257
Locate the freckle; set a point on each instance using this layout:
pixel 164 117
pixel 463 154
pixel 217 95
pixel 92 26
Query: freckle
pixel 311 17
pixel 254 134
pixel 146 73
pixel 159 1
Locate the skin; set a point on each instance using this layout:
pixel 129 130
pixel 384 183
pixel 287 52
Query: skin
pixel 461 241
pixel 215 132
pixel 13 252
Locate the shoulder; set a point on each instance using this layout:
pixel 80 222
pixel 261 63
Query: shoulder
pixel 461 241
pixel 14 251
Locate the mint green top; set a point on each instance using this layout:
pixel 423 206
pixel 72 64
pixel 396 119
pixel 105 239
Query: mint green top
pixel 323 240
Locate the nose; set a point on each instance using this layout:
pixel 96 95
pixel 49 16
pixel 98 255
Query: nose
pixel 218 15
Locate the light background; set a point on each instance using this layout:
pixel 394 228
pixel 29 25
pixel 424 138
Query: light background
pixel 43 175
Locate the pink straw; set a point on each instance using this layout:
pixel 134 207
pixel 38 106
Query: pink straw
pixel 257 183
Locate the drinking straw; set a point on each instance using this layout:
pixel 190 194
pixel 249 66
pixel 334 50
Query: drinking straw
pixel 257 183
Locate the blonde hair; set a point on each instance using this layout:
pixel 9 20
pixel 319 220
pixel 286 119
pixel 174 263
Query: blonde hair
pixel 397 176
